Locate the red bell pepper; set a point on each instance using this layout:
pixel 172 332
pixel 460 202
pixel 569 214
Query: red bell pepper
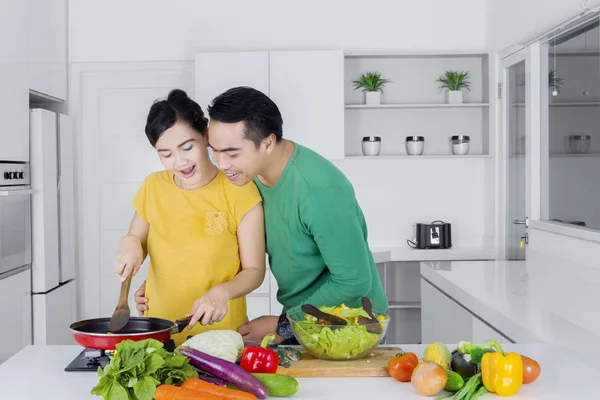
pixel 260 359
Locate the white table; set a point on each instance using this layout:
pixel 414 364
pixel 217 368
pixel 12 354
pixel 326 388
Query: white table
pixel 527 302
pixel 37 372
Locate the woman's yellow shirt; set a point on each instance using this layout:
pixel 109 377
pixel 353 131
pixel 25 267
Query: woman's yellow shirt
pixel 192 244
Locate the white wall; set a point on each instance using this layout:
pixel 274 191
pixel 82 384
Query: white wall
pixel 156 30
pixel 509 22
pixel 396 193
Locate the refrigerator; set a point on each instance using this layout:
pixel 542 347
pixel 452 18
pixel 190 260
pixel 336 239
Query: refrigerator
pixel 53 227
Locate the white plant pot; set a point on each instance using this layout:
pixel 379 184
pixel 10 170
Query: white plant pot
pixel 454 97
pixel 373 97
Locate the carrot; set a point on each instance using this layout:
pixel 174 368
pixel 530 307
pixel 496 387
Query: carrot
pixel 171 392
pixel 204 387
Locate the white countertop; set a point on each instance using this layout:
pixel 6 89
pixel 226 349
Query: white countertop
pixel 527 302
pixel 37 372
pixel 404 253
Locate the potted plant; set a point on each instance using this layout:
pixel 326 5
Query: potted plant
pixel 372 84
pixel 454 81
pixel 554 82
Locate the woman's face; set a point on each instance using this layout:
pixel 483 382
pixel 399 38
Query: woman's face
pixel 182 150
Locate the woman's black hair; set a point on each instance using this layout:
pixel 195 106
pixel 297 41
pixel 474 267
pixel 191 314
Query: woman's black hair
pixel 178 107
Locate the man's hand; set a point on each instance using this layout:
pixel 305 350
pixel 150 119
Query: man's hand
pixel 141 302
pixel 260 327
pixel 210 308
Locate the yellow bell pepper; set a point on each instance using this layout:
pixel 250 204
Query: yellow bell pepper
pixel 502 374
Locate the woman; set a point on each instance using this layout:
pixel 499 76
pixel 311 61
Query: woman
pixel 204 235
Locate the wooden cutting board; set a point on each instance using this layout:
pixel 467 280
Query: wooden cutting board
pixel 311 367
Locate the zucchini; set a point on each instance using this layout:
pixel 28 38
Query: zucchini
pixel 278 385
pixel 231 373
pixel 455 381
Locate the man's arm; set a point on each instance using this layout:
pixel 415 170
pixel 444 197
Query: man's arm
pixel 331 217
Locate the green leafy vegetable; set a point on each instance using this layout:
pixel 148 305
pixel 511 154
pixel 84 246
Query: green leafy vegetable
pixel 342 343
pixel 138 368
pixel 476 351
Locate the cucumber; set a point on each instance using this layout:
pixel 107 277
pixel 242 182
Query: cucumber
pixel 455 381
pixel 278 385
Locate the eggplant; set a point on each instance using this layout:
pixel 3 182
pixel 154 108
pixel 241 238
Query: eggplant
pixel 231 373
pixel 461 366
pixel 210 378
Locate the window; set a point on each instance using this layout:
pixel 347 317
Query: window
pixel 571 125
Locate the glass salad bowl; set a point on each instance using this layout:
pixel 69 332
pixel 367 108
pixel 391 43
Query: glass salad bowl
pixel 327 341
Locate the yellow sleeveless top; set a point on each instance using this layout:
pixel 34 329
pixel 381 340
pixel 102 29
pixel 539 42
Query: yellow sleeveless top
pixel 192 245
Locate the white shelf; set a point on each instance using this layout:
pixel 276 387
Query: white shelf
pixel 567 104
pixel 416 105
pixel 400 157
pixel 573 155
pixel 416 55
pixel 395 305
pixel 405 253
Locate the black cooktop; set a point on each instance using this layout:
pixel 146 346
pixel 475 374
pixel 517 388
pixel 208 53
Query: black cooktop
pixel 91 359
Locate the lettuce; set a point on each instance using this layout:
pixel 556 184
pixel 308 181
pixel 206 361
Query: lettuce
pixel 137 368
pixel 343 343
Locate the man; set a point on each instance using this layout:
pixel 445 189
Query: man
pixel 315 230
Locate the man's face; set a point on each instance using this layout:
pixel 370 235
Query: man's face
pixel 235 155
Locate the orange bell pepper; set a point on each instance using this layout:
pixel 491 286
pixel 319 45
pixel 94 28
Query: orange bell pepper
pixel 502 374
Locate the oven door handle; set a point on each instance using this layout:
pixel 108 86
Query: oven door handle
pixel 7 193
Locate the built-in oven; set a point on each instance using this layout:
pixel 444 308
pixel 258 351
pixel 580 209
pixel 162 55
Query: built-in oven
pixel 15 218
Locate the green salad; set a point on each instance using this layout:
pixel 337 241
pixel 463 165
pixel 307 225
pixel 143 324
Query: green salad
pixel 339 343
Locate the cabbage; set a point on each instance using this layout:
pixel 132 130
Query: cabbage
pixel 225 344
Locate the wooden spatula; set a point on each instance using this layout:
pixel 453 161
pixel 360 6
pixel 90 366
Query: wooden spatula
pixel 121 315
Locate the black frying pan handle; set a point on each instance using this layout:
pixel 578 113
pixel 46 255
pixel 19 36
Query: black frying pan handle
pixel 181 324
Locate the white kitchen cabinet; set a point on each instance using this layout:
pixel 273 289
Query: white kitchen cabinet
pixel 308 88
pixel 52 326
pixel 48 47
pixel 15 313
pixel 14 94
pixel 442 320
pixel 446 321
pixel 217 72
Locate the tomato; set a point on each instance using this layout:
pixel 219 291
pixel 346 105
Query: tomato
pixel 531 369
pixel 402 366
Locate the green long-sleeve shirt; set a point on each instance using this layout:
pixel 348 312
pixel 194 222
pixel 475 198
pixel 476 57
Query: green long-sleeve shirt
pixel 317 237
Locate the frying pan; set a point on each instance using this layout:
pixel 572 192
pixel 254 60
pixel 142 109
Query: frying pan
pixel 93 333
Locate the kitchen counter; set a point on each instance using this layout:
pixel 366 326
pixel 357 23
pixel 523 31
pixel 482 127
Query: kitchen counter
pixel 37 372
pixel 384 254
pixel 526 301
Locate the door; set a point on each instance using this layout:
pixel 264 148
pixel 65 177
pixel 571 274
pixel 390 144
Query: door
pixel 15 312
pixel 44 175
pixel 308 88
pixel 515 154
pixel 14 93
pixel 66 198
pixel 48 47
pixel 53 313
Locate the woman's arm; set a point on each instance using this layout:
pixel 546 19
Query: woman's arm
pixel 133 248
pixel 212 307
pixel 251 242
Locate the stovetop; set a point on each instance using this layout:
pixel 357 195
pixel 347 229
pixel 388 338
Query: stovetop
pixel 91 359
